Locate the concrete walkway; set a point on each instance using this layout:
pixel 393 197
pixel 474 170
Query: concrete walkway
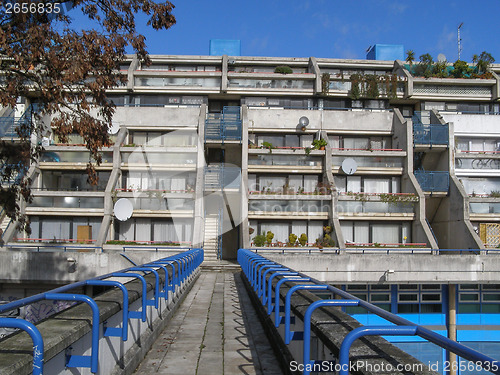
pixel 215 331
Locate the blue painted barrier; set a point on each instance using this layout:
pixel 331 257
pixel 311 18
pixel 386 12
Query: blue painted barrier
pixel 250 262
pixel 185 264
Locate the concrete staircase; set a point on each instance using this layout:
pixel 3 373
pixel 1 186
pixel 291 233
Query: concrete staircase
pixel 211 242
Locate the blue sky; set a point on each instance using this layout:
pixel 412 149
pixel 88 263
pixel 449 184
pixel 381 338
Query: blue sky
pixel 330 28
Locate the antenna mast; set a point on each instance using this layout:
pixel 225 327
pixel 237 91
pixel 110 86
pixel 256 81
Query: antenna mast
pixel 459 40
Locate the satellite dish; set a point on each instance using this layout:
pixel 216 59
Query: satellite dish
pixel 114 128
pixel 123 209
pixel 349 166
pixel 441 58
pixel 303 121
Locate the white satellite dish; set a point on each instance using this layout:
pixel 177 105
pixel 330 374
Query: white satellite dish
pixel 349 166
pixel 441 57
pixel 123 209
pixel 114 128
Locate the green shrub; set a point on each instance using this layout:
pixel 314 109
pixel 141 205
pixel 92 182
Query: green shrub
pixel 292 239
pixel 318 143
pixel 461 69
pixel 283 69
pixel 303 239
pixel 259 240
pixel 269 237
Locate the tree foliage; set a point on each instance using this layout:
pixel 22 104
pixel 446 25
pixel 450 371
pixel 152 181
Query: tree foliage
pixel 67 72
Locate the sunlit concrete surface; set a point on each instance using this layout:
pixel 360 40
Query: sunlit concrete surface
pixel 215 331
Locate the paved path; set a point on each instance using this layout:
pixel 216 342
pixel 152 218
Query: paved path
pixel 215 331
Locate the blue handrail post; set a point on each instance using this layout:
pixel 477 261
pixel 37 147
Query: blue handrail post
pixel 369 331
pixel 270 288
pixel 136 314
pixel 80 360
pixel 113 331
pixel 261 286
pixel 30 329
pixel 307 327
pixel 289 334
pixel 155 301
pixel 277 320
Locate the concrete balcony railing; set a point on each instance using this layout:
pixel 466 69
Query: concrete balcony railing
pixel 359 203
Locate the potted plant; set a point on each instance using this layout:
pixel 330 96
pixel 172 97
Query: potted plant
pixel 303 239
pixel 283 69
pixel 319 144
pixel 268 145
pixel 259 240
pixel 269 237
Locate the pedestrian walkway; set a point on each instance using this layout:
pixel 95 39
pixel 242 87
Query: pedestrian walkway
pixel 215 331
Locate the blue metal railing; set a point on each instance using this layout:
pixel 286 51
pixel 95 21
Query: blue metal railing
pixel 183 265
pixel 252 265
pixel 433 181
pixel 427 133
pixel 224 128
pixel 13 173
pixel 431 134
pixel 10 125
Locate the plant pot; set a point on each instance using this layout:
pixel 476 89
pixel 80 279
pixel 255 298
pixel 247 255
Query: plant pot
pixel 322 148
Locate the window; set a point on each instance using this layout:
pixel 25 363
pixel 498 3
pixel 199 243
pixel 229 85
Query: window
pixel 363 232
pixel 361 184
pixel 413 298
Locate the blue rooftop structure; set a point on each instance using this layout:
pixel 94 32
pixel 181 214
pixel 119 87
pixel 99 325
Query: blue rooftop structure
pixel 386 52
pixel 230 47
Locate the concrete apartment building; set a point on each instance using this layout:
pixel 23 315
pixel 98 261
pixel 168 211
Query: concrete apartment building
pixel 213 151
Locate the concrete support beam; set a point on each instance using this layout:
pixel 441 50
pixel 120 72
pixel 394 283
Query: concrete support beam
pixel 110 189
pixel 328 176
pixel 452 325
pixel 314 68
pixel 245 234
pixel 223 84
pixel 199 217
pixel 130 73
pixel 495 94
pixel 399 69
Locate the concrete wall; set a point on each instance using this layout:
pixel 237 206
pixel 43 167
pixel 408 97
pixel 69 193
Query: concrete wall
pixel 369 122
pixel 56 267
pixel 157 116
pixel 375 267
pixel 473 124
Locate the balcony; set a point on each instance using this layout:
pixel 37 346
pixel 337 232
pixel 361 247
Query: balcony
pixel 285 163
pixel 433 181
pixel 178 79
pixel 68 202
pixel 72 160
pixel 397 206
pixel 286 208
pixel 485 208
pixel 139 159
pixel 430 134
pixel 453 88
